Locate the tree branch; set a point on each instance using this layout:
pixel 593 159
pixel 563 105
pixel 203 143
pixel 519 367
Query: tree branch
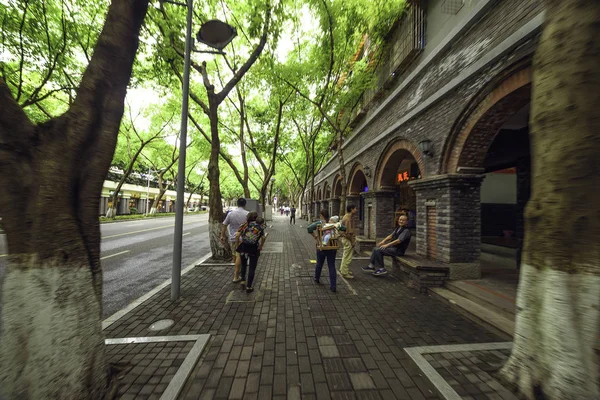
pixel 22 61
pixel 16 130
pixel 250 61
pixel 100 99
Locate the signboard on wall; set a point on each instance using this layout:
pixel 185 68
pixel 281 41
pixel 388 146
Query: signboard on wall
pixel 403 176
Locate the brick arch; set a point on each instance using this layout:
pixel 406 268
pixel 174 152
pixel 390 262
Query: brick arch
pixel 476 129
pixel 391 149
pixel 326 191
pixel 356 173
pixel 337 186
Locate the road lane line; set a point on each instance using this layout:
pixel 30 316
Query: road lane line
pixel 116 254
pixel 143 230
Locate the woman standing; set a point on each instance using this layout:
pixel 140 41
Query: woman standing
pixel 323 254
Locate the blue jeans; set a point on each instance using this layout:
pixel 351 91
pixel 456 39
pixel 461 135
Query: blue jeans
pixel 330 256
pixel 378 253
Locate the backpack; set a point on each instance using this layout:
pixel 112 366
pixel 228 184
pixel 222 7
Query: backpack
pixel 251 234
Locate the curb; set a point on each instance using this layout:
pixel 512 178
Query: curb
pixel 134 304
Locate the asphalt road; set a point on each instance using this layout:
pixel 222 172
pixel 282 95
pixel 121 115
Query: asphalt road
pixel 137 255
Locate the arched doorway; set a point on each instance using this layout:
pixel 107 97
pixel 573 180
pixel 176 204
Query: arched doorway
pixel 494 142
pixel 400 164
pixel 357 185
pixel 337 187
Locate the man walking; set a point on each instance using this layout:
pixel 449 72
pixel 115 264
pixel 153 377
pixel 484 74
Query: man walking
pixel 293 215
pixel 233 221
pixel 348 241
pixel 393 245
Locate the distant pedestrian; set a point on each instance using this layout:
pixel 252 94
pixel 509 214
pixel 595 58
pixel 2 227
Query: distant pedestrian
pixel 233 221
pixel 348 241
pixel 287 211
pixel 249 241
pixel 323 255
pixel 393 245
pixel 293 215
pixel 281 210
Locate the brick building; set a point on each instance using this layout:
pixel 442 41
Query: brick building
pixel 445 135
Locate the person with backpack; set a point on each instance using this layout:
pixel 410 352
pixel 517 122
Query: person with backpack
pixel 293 215
pixel 249 240
pixel 323 255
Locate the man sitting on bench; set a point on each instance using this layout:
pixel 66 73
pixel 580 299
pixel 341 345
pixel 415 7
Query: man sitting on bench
pixel 393 245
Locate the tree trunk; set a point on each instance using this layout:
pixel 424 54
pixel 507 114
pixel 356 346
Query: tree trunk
pixel 157 199
pixel 51 344
pixel 215 214
pixel 54 339
pixel 112 211
pixel 555 353
pixel 342 174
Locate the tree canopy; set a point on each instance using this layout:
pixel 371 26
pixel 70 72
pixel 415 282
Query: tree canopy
pixel 318 60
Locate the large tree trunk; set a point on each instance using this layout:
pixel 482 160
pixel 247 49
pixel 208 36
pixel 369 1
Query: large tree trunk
pixel 51 345
pixel 215 214
pixel 555 353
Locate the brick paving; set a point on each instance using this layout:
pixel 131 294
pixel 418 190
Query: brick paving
pixel 472 373
pixel 294 339
pixel 153 365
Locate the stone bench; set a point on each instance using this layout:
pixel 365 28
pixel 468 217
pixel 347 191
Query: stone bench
pixel 419 272
pixel 364 245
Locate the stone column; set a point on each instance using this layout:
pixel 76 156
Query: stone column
pixel 334 208
pixel 325 206
pixel 379 214
pixel 449 222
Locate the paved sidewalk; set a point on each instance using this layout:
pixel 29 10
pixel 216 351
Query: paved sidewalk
pixel 291 338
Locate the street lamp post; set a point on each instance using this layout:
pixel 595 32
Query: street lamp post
pixel 215 34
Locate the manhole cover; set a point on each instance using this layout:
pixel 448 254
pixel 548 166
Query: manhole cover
pixel 162 324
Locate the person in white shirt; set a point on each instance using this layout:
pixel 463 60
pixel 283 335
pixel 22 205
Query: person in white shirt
pixel 233 221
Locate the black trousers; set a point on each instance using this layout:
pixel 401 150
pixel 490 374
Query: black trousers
pixel 253 258
pixel 293 218
pixel 328 255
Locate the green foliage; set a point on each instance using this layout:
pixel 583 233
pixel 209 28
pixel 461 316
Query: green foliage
pixel 45 46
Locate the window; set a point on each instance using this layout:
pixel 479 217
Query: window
pixel 452 6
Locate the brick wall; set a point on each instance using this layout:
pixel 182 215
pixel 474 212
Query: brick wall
pixel 435 124
pixel 381 205
pixel 457 221
pixel 431 232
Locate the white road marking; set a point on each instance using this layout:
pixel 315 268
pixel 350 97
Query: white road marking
pixel 187 233
pixel 143 230
pixel 354 292
pixel 114 255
